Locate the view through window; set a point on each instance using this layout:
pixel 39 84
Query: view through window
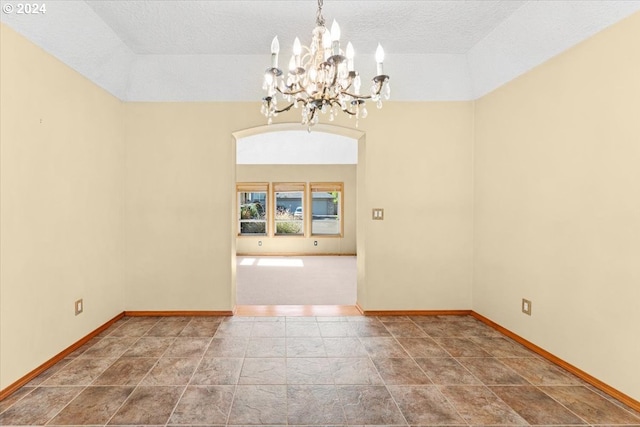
pixel 279 209
pixel 289 214
pixel 326 209
pixel 252 209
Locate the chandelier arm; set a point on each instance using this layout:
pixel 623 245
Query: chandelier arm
pixel 306 59
pixel 335 102
pixel 323 95
pixel 356 97
pixel 292 93
pixel 335 78
pixel 285 108
pixel 379 82
pixel 288 107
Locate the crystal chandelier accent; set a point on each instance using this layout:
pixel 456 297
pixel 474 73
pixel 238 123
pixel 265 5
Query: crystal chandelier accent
pixel 321 78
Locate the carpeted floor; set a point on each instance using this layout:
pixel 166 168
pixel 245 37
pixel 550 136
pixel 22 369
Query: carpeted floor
pixel 296 280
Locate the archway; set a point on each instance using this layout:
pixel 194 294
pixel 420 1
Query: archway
pixel 353 134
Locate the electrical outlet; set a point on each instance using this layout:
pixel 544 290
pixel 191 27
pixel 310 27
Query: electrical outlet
pixel 377 214
pixel 315 243
pixel 526 306
pixel 259 242
pixel 79 306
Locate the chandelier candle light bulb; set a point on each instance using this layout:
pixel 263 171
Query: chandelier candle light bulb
pixel 275 49
pixel 326 44
pixel 350 54
pixel 379 58
pixel 297 50
pixel 321 78
pixel 292 64
pixel 335 37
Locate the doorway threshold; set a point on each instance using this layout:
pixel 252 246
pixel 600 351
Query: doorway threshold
pixel 297 310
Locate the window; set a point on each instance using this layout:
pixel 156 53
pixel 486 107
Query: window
pixel 326 209
pixel 252 209
pixel 289 209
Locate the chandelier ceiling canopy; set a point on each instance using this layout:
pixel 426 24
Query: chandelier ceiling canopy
pixel 321 78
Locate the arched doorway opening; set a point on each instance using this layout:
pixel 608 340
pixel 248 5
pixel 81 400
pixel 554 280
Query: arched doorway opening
pixel 244 147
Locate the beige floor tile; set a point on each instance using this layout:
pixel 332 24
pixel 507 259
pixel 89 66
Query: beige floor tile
pixel 281 367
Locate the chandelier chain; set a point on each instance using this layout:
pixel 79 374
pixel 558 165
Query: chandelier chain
pixel 319 17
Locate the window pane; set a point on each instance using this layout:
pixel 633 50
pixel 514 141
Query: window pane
pixel 252 212
pixel 289 217
pixel 325 212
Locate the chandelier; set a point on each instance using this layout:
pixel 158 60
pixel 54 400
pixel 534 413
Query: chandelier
pixel 321 78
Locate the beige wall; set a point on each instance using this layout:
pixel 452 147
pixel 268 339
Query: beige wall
pixel 303 245
pixel 418 164
pixel 557 206
pixel 61 206
pixel 180 170
pixel 181 189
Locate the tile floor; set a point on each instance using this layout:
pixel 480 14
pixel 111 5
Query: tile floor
pixel 450 370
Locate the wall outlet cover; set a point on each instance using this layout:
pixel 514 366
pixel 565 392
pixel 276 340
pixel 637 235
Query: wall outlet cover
pixel 79 306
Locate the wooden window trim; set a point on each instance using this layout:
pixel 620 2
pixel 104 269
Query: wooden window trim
pixel 279 187
pixel 252 186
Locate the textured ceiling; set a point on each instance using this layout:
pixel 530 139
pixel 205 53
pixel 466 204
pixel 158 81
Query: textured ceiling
pixel 190 50
pixel 247 27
